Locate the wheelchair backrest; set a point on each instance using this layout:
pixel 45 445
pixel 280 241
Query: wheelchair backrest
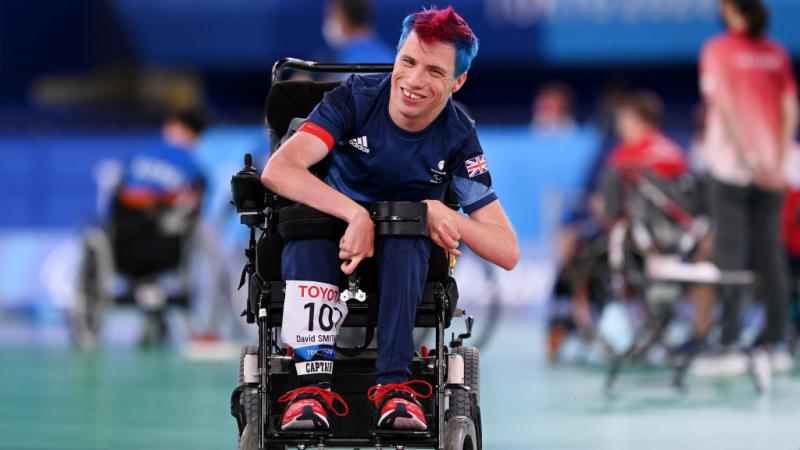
pixel 663 207
pixel 289 100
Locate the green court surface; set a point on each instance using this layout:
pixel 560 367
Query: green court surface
pixel 56 398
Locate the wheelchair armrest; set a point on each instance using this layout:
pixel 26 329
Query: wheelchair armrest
pixel 400 218
pixel 391 219
pixel 303 222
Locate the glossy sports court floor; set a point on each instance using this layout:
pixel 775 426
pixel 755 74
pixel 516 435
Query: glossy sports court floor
pixel 122 398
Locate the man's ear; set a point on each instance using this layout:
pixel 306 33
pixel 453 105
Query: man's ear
pixel 459 82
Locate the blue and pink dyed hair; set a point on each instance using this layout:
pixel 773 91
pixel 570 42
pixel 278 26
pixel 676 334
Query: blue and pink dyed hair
pixel 447 26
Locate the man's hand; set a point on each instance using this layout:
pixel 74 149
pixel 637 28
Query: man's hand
pixel 358 241
pixel 769 179
pixel 442 226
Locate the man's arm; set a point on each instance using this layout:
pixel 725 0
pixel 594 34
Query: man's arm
pixel 486 231
pixel 287 174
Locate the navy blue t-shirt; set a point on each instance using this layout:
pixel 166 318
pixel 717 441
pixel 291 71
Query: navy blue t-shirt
pixel 375 160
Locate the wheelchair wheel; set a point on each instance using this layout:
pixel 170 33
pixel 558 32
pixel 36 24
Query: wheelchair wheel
pixel 249 440
pixel 249 398
pixel 92 296
pixel 460 434
pixel 467 404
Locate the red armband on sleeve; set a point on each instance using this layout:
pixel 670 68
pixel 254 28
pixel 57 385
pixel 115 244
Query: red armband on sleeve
pixel 319 132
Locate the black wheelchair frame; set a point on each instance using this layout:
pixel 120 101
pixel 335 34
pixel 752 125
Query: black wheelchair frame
pixel 255 400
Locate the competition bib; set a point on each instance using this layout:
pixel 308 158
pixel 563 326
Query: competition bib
pixel 312 314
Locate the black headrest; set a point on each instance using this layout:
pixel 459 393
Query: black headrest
pixel 291 99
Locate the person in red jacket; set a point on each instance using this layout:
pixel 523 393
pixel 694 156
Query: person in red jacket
pixel 643 148
pixel 751 99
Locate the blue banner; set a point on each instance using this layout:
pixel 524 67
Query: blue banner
pixel 242 34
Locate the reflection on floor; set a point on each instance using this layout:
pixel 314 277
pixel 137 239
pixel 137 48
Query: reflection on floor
pixel 121 398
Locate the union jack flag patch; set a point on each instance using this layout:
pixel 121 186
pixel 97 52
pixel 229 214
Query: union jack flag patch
pixel 476 166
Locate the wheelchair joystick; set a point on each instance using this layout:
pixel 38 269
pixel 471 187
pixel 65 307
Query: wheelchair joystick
pixel 249 195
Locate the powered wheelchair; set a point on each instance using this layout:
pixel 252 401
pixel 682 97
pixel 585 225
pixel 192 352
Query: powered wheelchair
pixel 266 370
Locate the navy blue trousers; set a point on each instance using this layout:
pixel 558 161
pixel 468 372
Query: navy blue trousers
pixel 402 269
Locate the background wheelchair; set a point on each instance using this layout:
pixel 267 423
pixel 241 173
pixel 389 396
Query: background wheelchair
pixel 652 257
pixel 266 370
pixel 138 258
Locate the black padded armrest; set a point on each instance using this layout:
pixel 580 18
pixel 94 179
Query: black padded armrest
pixel 391 219
pixel 400 218
pixel 303 222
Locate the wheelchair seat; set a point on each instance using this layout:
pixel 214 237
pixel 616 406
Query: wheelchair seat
pixel 141 249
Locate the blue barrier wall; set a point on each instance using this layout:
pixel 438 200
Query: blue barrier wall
pixel 48 193
pixel 49 182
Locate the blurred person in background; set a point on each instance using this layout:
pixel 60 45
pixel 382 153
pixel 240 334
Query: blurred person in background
pixel 750 93
pixel 348 31
pixel 642 150
pixel 642 146
pixel 350 38
pixel 156 206
pixel 581 246
pixel 552 109
pixel 645 150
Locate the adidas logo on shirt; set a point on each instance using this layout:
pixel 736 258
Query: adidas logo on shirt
pixel 360 143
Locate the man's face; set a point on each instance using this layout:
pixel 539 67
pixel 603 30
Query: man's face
pixel 630 127
pixel 422 81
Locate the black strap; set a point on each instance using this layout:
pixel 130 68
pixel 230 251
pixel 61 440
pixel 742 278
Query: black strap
pixel 400 218
pixel 372 322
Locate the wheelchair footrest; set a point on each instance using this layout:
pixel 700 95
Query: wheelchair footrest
pixel 302 435
pixel 417 439
pixel 404 434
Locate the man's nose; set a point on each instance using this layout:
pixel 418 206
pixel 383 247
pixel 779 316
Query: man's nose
pixel 416 78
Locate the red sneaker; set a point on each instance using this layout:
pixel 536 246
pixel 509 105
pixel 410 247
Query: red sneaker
pixel 398 407
pixel 306 411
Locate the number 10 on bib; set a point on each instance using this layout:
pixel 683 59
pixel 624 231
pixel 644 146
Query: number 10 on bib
pixel 312 313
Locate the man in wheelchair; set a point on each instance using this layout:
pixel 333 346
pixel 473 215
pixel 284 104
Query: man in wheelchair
pixel 395 137
pixel 159 194
pixel 154 210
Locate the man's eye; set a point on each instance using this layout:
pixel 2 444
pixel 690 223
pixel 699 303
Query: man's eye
pixel 408 62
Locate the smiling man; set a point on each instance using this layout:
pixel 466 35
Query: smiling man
pixel 391 138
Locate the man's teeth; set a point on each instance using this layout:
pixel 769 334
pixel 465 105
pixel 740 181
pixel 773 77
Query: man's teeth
pixel 411 95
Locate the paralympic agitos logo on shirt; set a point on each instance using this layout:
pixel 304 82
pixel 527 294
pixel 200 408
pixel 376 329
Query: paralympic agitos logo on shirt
pixel 439 175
